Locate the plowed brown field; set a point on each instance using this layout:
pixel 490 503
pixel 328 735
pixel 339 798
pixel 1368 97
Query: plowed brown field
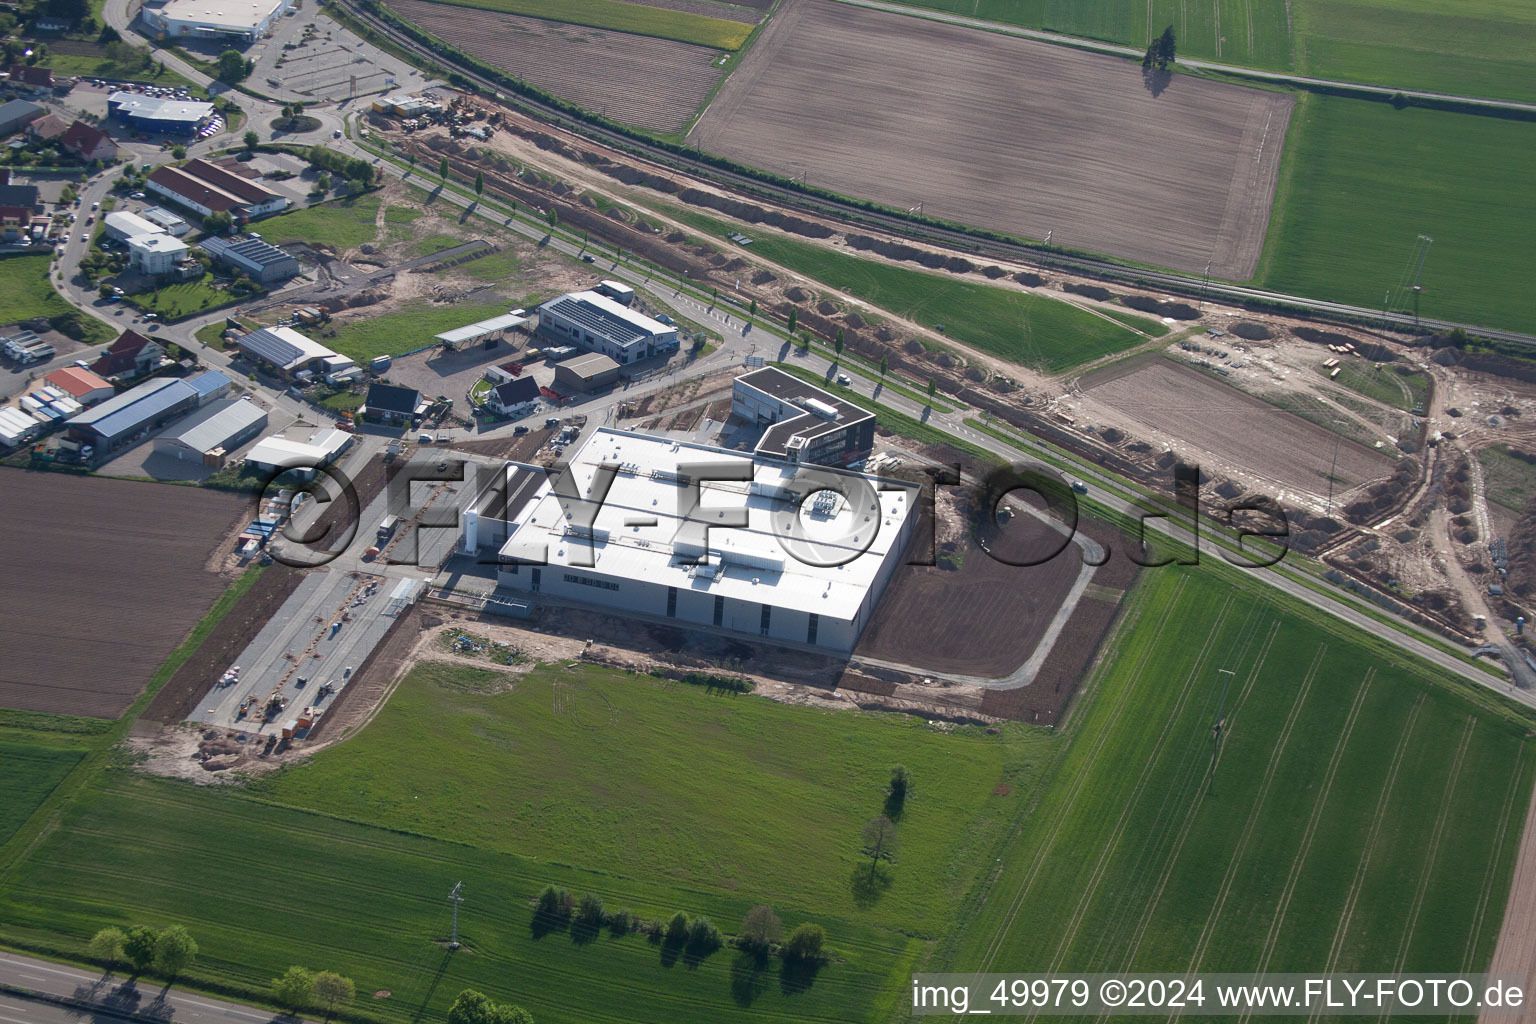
pixel 1014 134
pixel 103 578
pixel 651 83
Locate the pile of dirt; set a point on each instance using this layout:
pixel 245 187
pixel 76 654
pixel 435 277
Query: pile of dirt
pixel 1089 291
pixel 1172 310
pixel 1249 331
pixel 754 214
pixel 910 254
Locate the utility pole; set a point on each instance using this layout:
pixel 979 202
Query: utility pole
pixel 455 898
pixel 1221 706
pixel 1205 284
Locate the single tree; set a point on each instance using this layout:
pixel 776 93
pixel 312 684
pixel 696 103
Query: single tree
pixel 760 929
pixel 252 140
pixel 178 152
pixel 933 387
pixel 804 943
pixel 1166 47
pixel 901 779
pixel 442 168
pixel 479 183
pixel 218 222
pixel 175 951
pixel 552 216
pixel 107 946
pixel 411 160
pixel 879 841
pixel 885 365
pixel 471 1007
pixel 677 929
pixel 139 947
pixel 752 308
pixel 105 291
pixel 332 990
pixel 231 66
pixel 703 937
pixel 589 910
pixel 837 345
pixel 552 903
pixel 294 991
pixel 794 316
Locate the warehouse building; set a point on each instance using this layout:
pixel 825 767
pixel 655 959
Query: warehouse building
pixel 211 433
pixel 156 115
pixel 287 352
pixel 166 220
pixel 17 114
pixel 82 385
pixel 207 188
pixel 590 372
pixel 261 261
pixel 484 331
pixel 120 420
pixel 390 403
pixel 802 422
pixel 239 21
pixel 210 385
pixel 705 536
pixel 122 225
pixel 599 324
pixel 277 453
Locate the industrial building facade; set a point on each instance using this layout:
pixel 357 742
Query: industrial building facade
pixel 597 323
pixel 210 434
pixel 241 21
pixel 701 535
pixel 803 423
pixel 261 261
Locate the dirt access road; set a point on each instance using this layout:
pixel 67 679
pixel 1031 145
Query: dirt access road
pixel 1016 134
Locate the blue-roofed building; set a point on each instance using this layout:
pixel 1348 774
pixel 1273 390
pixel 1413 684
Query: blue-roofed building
pixel 210 384
pixel 125 417
pixel 159 116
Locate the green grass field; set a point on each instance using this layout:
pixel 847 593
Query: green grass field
pixel 392 334
pixel 1361 815
pixel 184 298
pixel 26 291
pixel 1478 48
pixel 698 29
pixel 1384 383
pixel 1510 481
pixel 31 772
pixel 1028 329
pixel 340 223
pixel 666 797
pixel 1360 182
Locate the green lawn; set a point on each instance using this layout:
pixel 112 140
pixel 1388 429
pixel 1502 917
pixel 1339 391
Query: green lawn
pixel 1356 798
pixel 1474 48
pixel 26 291
pixel 628 17
pixel 1032 330
pixel 83 66
pixel 339 223
pixel 31 772
pixel 666 797
pixel 1361 181
pixel 392 334
pixel 1510 480
pixel 436 243
pixel 185 298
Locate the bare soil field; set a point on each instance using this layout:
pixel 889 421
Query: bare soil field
pixel 1226 431
pixel 651 83
pixel 105 578
pixel 745 11
pixel 1010 133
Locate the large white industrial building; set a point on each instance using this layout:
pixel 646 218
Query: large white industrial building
pixel 241 20
pixel 792 553
pixel 597 323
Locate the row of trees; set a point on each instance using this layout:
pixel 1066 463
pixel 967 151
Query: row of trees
pixel 301 989
pixel 762 931
pixel 352 168
pixel 473 1007
pixel 169 952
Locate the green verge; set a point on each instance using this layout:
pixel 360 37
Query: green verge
pixel 1361 181
pixel 26 291
pixel 670 798
pixel 1337 753
pixel 639 19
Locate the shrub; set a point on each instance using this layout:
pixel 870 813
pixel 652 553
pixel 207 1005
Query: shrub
pixel 703 936
pixel 760 929
pixel 589 910
pixel 677 929
pixel 554 904
pixel 805 942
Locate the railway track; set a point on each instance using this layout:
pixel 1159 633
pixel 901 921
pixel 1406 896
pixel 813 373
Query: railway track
pixel 851 213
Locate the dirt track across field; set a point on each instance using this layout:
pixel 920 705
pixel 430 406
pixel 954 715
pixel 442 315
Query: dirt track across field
pixel 1013 134
pixel 643 81
pixel 103 578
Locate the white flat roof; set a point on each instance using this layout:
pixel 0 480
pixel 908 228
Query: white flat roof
pixel 131 224
pixel 745 563
pixel 479 330
pixel 159 242
pixel 226 14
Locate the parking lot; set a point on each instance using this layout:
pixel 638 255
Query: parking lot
pixel 312 57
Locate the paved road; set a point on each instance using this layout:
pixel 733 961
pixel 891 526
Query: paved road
pixel 1203 65
pixel 109 997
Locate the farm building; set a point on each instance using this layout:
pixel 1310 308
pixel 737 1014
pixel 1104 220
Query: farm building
pixel 804 423
pixel 122 225
pixel 261 261
pixel 206 188
pixel 289 353
pixel 118 420
pixel 154 115
pixel 131 355
pixel 277 453
pixel 209 434
pixel 83 386
pixel 166 220
pixel 17 114
pixel 239 21
pixel 588 372
pixel 485 330
pixel 599 324
pixel 516 397
pixel 158 254
pixel 705 536
pixel 391 403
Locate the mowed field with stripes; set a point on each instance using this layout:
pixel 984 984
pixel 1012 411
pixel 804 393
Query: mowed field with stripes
pixel 1361 816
